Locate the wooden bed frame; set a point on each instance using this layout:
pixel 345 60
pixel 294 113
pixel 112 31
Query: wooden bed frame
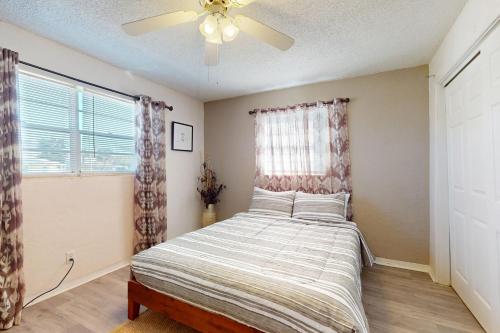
pixel 184 313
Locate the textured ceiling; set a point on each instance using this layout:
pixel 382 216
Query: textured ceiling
pixel 334 39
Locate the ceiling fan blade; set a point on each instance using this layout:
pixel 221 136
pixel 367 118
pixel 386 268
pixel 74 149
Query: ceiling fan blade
pixel 211 54
pixel 240 3
pixel 143 26
pixel 263 32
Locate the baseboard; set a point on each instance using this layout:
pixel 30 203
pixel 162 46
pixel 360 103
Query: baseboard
pixel 403 264
pixel 431 273
pixel 77 282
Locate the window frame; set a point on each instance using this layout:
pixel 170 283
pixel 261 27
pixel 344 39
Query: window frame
pixel 75 133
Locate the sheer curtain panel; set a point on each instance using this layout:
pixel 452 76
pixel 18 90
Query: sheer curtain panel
pixel 304 147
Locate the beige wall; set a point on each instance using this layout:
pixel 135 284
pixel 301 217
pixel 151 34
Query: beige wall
pixel 92 215
pixel 388 120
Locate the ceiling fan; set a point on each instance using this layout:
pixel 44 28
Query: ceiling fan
pixel 218 26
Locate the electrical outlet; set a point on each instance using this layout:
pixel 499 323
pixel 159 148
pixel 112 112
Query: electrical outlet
pixel 70 255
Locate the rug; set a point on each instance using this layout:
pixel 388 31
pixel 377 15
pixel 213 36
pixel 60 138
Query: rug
pixel 152 322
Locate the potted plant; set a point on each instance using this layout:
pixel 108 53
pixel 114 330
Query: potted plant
pixel 209 192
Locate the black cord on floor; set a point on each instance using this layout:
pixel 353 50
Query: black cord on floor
pixel 48 291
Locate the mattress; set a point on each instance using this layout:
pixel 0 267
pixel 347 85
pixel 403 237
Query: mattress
pixel 274 274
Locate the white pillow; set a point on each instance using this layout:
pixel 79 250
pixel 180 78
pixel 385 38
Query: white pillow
pixel 321 207
pixel 272 203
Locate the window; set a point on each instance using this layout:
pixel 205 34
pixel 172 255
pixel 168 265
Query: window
pixel 294 142
pixel 69 129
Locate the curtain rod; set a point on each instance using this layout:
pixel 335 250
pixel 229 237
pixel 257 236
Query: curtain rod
pixel 134 97
pixel 344 100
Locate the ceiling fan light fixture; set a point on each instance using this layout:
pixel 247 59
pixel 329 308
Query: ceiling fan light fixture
pixel 210 27
pixel 229 29
pixel 215 39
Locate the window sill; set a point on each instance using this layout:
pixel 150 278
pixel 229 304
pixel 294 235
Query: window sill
pixel 75 175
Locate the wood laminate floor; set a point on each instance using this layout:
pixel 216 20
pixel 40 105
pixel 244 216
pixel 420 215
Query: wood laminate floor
pixel 395 300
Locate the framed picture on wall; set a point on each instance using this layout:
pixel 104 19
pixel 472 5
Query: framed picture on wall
pixel 182 137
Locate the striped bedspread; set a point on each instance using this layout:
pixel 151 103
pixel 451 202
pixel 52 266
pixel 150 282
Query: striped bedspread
pixel 275 274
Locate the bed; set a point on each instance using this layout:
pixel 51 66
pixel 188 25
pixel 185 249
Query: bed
pixel 256 273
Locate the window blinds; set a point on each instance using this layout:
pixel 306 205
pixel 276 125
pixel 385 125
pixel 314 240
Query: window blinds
pixel 67 129
pixel 106 129
pixel 46 125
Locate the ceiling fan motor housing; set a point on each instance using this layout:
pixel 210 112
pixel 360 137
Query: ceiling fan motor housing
pixel 209 3
pixel 222 6
pixel 216 6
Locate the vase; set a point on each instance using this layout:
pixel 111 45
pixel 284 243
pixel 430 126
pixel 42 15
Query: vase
pixel 209 215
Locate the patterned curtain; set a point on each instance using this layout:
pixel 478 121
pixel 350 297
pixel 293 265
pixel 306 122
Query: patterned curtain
pixel 11 239
pixel 150 198
pixel 305 148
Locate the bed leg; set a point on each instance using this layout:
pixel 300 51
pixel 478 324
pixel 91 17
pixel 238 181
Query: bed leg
pixel 133 309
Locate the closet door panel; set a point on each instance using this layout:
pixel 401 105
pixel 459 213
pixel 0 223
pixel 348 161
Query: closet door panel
pixel 473 161
pixel 457 169
pixel 482 277
pixel 460 258
pixel 492 52
pixel 495 76
pixel 478 168
pixel 496 129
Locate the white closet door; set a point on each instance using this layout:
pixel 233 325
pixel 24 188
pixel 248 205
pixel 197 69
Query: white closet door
pixel 473 116
pixel 491 50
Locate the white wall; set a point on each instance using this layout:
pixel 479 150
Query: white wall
pixel 476 19
pixel 93 214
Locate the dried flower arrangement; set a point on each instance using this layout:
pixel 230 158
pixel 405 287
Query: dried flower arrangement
pixel 207 185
